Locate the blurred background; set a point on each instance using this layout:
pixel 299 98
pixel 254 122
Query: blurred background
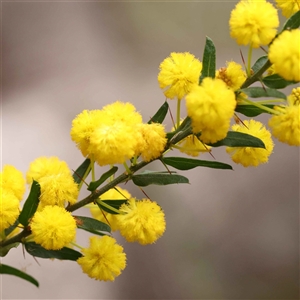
pixel 230 234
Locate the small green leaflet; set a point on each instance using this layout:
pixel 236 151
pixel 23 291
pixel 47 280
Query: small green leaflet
pixel 63 254
pixel 259 64
pixel 92 225
pixel 275 81
pixel 160 114
pixel 293 22
pixel 239 139
pixel 208 61
pixel 94 184
pixel 30 204
pixel 81 171
pixel 158 178
pixel 257 92
pixel 5 269
pixel 251 110
pixel 182 163
pixel 116 203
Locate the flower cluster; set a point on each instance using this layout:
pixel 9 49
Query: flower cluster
pixel 117 135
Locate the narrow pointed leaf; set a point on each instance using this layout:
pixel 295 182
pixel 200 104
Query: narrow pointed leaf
pixel 293 22
pixel 92 225
pixel 251 110
pixel 257 92
pixel 185 125
pixel 11 228
pixel 94 184
pixel 116 203
pixel 5 269
pixel 239 139
pixel 63 254
pixel 158 179
pixel 160 114
pixel 30 204
pixel 209 60
pixel 182 163
pixel 81 171
pixel 4 250
pixel 259 64
pixel 275 81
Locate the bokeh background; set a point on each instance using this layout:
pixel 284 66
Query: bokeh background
pixel 230 234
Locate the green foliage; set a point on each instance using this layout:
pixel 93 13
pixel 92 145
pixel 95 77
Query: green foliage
pixel 158 178
pixel 275 81
pixel 259 64
pixel 239 139
pixel 293 22
pixel 160 114
pixel 112 203
pixel 95 184
pixel 92 225
pixel 82 171
pixel 257 92
pixel 208 61
pixel 182 163
pixel 65 253
pixel 4 269
pixel 30 204
pixel 251 110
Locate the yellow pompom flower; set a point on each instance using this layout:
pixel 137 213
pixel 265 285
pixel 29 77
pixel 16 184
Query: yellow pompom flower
pixel 284 53
pixel 9 208
pixel 178 74
pixel 253 22
pixel 53 227
pixel 143 221
pixel 12 180
pixel 83 126
pixel 152 141
pixel 103 216
pixel 192 146
pixel 114 143
pixel 45 166
pixel 233 75
pixel 123 112
pixel 288 7
pixel 249 156
pixel 58 189
pixel 211 106
pixel 104 259
pixel 286 125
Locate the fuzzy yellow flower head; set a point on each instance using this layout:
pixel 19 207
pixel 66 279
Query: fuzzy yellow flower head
pixel 284 53
pixel 58 189
pixel 152 142
pixel 9 208
pixel 53 227
pixel 249 156
pixel 104 259
pixel 211 106
pixel 286 125
pixel 113 143
pixel 253 22
pixel 103 216
pixel 83 126
pixel 12 180
pixel 45 166
pixel 233 75
pixel 143 221
pixel 178 74
pixel 288 7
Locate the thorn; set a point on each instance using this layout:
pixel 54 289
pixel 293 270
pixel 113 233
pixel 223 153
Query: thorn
pixel 145 193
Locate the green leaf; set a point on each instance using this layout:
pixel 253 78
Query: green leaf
pixel 209 60
pixel 259 64
pixel 160 114
pixel 158 178
pixel 185 125
pixel 251 110
pixel 182 163
pixel 275 81
pixel 4 250
pixel 116 203
pixel 257 92
pixel 11 228
pixel 293 22
pixel 239 139
pixel 5 269
pixel 94 184
pixel 30 204
pixel 63 254
pixel 92 225
pixel 80 172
